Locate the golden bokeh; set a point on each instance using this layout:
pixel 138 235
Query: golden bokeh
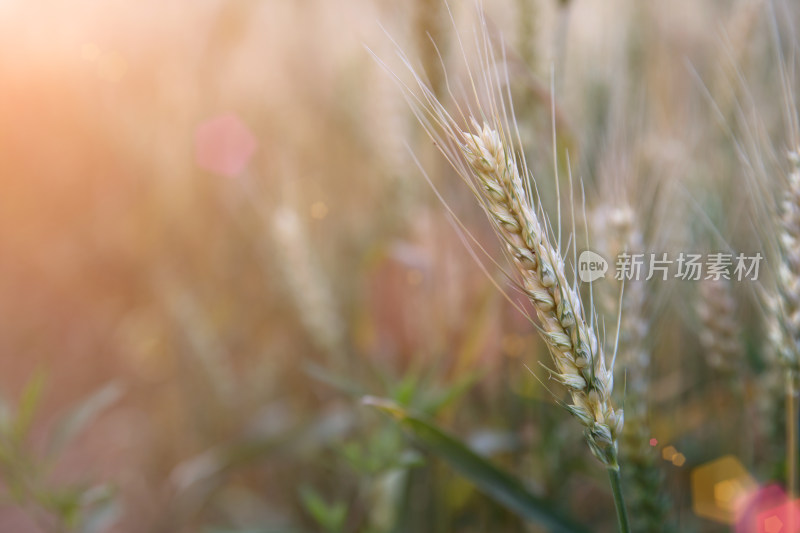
pixel 720 487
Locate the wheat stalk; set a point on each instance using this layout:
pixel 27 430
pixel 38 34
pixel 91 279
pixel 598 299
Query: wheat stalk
pixel 484 157
pixel 578 356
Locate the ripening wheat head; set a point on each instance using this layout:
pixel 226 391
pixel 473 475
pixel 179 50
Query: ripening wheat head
pixel 577 354
pixel 482 152
pixel 720 328
pixel 307 286
pixel 616 229
pixel 786 327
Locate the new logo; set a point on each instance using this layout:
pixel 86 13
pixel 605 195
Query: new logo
pixel 591 266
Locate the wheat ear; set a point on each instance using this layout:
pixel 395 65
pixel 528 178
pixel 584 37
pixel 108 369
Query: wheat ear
pixel 307 286
pixel 719 333
pixel 787 338
pixel 785 333
pixel 578 357
pixel 617 229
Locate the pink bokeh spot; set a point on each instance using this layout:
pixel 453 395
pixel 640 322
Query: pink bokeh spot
pixel 781 519
pixel 224 145
pixel 750 513
pixel 769 510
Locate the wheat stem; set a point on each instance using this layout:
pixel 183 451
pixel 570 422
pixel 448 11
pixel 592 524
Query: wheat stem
pixel 615 479
pixel 791 433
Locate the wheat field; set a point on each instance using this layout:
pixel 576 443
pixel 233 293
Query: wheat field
pixel 275 266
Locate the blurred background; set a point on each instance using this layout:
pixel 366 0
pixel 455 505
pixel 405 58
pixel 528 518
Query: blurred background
pixel 214 240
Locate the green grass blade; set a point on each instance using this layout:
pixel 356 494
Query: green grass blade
pixel 492 481
pixel 28 404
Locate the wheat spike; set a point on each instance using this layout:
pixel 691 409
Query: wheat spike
pixel 717 312
pixel 307 286
pixel 786 333
pixel 616 231
pixel 578 356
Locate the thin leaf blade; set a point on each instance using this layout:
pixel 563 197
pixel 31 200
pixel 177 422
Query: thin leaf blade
pixel 502 487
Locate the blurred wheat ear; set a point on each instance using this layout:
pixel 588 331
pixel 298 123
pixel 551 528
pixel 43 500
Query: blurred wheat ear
pixel 785 305
pixel 308 288
pixel 616 229
pixel 719 334
pixel 787 342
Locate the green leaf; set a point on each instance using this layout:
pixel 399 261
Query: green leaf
pixel 502 487
pixel 404 392
pixel 330 516
pixel 81 415
pixel 64 503
pixel 5 413
pixel 28 403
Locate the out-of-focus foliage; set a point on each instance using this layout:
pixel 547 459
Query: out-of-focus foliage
pixel 501 486
pixel 27 472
